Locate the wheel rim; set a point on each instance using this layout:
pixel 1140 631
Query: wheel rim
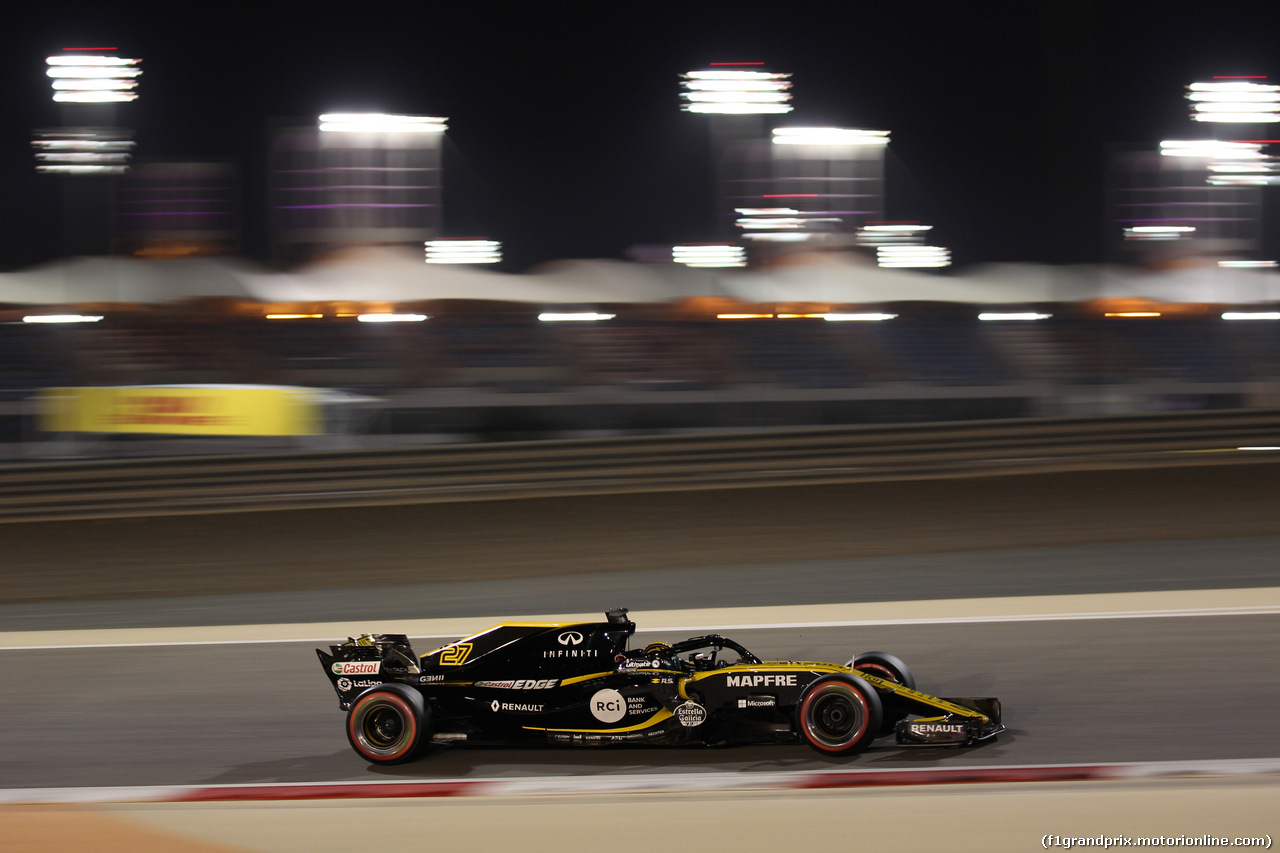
pixel 835 716
pixel 383 727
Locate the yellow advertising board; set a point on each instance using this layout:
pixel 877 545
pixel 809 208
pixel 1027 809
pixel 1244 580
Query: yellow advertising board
pixel 181 410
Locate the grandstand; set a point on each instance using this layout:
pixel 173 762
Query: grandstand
pixel 669 356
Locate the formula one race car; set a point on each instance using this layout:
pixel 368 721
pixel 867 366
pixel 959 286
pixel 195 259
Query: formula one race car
pixel 577 683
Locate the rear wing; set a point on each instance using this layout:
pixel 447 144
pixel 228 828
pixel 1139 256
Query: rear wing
pixel 367 661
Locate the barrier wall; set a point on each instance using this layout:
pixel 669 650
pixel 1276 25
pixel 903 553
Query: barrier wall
pixel 191 410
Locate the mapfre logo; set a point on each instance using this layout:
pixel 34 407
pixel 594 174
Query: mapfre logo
pixel 761 681
pixel 570 638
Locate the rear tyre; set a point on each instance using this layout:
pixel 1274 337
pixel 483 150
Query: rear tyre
pixel 891 668
pixel 839 717
pixel 388 724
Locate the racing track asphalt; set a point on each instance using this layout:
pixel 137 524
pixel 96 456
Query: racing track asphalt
pixel 1056 570
pixel 1114 690
pixel 1127 689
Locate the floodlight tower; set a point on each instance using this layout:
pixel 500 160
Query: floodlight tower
pixel 1234 100
pixel 1190 198
pixel 1200 196
pixel 829 180
pixel 355 179
pixel 88 149
pixel 736 96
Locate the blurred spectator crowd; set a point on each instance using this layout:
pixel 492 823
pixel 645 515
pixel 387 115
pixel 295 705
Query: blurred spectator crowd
pixel 511 351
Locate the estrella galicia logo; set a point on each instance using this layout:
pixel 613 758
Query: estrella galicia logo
pixel 570 638
pixel 691 714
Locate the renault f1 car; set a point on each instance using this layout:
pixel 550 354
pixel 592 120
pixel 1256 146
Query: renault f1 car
pixel 578 683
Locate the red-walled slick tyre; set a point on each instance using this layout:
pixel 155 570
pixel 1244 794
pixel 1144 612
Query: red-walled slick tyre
pixel 884 665
pixel 839 717
pixel 891 668
pixel 388 724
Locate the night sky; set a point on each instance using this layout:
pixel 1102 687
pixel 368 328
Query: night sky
pixel 565 134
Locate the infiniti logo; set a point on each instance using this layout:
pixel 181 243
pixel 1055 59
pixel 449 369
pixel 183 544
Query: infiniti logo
pixel 569 638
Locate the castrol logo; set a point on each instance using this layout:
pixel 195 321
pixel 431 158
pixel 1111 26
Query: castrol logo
pixel 357 667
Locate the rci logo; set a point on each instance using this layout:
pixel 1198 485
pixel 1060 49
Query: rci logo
pixel 608 706
pixel 569 638
pixel 455 655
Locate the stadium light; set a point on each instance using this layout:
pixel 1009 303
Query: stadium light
pixel 709 255
pixel 859 318
pixel 888 234
pixel 463 251
pixel 1237 167
pixel 83 150
pixel 1247 264
pixel 780 236
pixel 578 317
pixel 778 224
pixel 784 222
pixel 829 136
pixel 735 92
pixel 1242 180
pixel 93 79
pixel 62 318
pixel 1234 101
pixel 392 318
pixel 904 256
pixel 1251 315
pixel 381 123
pixel 1212 149
pixel 1015 315
pixel 1158 232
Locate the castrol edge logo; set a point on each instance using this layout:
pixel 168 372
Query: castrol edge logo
pixel 357 667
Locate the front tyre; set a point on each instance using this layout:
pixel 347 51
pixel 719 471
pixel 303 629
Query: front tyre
pixel 388 724
pixel 839 717
pixel 891 668
pixel 886 666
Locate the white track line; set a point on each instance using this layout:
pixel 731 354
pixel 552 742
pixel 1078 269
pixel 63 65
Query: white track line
pixel 1045 608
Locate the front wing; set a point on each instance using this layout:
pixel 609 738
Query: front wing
pixel 963 722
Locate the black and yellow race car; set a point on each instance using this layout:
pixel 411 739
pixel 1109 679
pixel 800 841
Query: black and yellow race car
pixel 578 683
